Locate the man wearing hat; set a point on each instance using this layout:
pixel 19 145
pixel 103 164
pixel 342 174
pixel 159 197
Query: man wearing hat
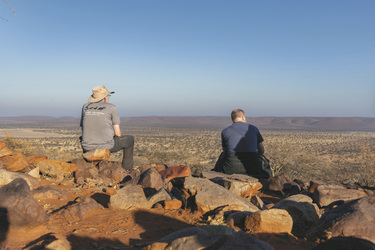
pixel 100 124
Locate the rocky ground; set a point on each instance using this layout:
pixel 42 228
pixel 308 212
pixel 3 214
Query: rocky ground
pixel 95 204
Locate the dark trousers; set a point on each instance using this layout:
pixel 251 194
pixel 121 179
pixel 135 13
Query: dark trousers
pixel 126 143
pixel 241 163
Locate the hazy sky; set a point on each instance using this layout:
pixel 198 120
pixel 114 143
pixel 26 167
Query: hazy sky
pixel 192 57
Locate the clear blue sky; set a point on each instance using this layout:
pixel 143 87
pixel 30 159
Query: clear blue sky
pixel 196 57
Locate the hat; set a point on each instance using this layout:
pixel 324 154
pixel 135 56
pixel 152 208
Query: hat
pixel 99 93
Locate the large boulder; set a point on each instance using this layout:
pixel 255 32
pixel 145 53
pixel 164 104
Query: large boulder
pixel 7 177
pixel 345 243
pixel 326 194
pixel 303 211
pixel 210 237
pixel 269 221
pixel 242 185
pixel 209 196
pixel 355 218
pixel 56 169
pixel 19 205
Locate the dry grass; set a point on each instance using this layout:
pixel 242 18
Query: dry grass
pixel 304 155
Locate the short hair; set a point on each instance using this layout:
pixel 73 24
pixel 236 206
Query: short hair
pixel 237 113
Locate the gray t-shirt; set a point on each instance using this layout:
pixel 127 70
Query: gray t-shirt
pixel 97 122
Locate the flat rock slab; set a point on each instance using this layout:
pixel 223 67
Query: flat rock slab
pixel 326 194
pixel 241 185
pixel 209 196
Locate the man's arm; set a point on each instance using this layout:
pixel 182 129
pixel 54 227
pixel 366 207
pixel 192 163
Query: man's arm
pixel 117 130
pixel 260 148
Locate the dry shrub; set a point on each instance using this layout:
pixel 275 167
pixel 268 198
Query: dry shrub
pixel 367 166
pixel 290 159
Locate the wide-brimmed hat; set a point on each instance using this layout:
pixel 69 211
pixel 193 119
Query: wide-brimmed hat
pixel 99 93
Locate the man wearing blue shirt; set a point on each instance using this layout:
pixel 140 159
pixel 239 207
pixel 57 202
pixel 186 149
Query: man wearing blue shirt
pixel 242 145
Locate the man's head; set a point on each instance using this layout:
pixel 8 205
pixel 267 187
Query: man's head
pixel 99 93
pixel 238 115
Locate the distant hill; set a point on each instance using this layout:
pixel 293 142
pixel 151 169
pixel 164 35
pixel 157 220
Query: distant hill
pixel 313 123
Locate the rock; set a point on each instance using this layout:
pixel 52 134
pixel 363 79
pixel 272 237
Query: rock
pixel 277 183
pixel 43 193
pixel 20 206
pixel 116 173
pixel 353 219
pixel 175 172
pixel 242 185
pixel 129 197
pixel 345 243
pixel 59 244
pixel 79 210
pixel 258 202
pixel 85 173
pixel 151 181
pixel 212 237
pixel 97 155
pixel 237 219
pixel 157 166
pixel 7 177
pixel 34 173
pixel 5 152
pixel 328 193
pixel 16 162
pixel 82 163
pixel 302 210
pixel 56 169
pixel 161 195
pixel 34 159
pixel 204 190
pixel 173 204
pixel 269 221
